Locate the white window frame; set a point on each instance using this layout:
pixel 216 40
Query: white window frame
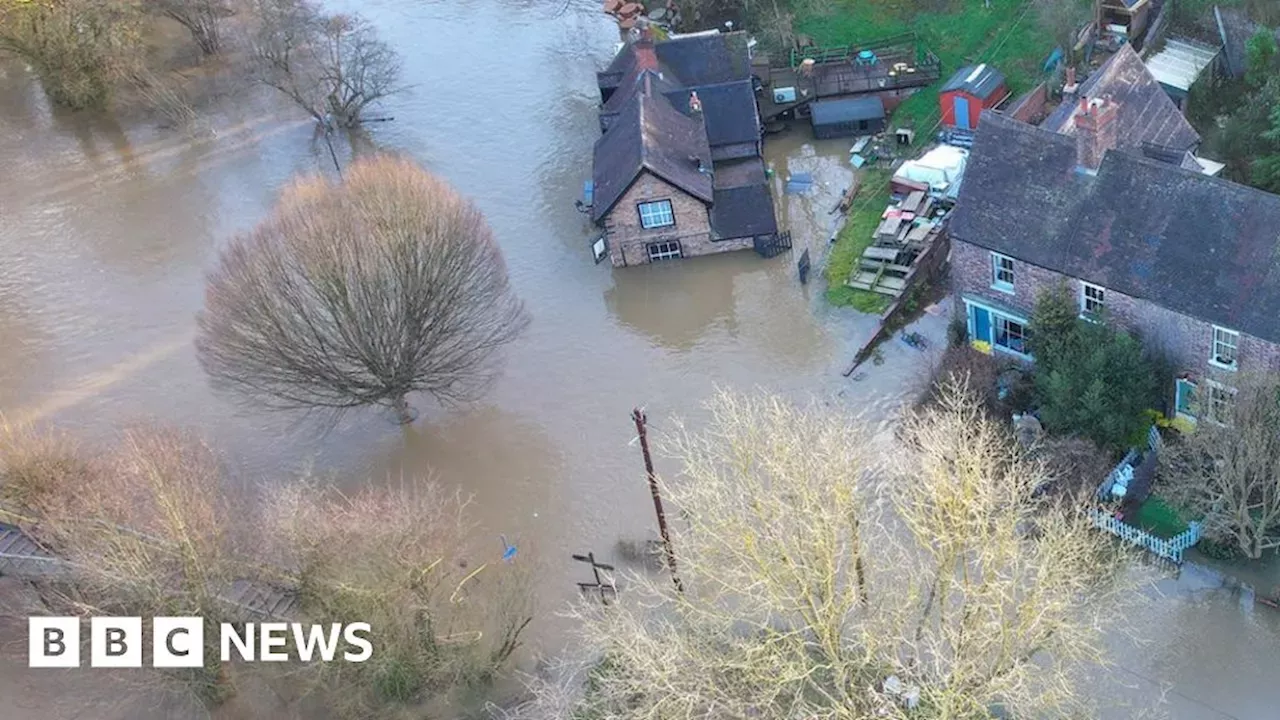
pixel 996 319
pixel 1208 412
pixel 656 214
pixel 665 250
pixel 1100 301
pixel 996 269
pixel 1229 338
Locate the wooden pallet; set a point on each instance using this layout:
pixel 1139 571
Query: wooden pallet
pixel 879 282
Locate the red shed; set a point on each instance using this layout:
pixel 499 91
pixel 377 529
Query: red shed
pixel 970 91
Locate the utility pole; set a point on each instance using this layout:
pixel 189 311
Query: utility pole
pixel 641 425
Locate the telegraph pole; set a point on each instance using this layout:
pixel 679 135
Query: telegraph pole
pixel 641 422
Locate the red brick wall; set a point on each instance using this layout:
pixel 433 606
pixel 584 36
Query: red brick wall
pixel 628 241
pixel 1185 340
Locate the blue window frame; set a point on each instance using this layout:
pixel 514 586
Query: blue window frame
pixel 656 214
pixel 1185 399
pixel 1001 272
pixel 1002 331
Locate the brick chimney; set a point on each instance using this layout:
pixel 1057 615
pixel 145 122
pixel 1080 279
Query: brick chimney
pixel 1069 87
pixel 1096 131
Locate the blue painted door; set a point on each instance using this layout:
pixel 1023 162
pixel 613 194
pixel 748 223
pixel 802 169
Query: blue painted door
pixel 981 324
pixel 962 112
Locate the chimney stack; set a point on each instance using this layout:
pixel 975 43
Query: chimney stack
pixel 1070 87
pixel 1096 131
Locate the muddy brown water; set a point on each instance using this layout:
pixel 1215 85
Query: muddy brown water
pixel 106 230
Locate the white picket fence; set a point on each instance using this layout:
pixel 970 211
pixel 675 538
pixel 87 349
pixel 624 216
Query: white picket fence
pixel 1167 548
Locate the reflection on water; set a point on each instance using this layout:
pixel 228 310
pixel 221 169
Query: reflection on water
pixel 107 234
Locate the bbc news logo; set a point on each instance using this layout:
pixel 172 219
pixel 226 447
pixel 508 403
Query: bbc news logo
pixel 179 642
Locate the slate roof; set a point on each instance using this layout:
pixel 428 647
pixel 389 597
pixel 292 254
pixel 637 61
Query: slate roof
pixel 690 60
pixel 1201 246
pixel 649 134
pixel 1147 115
pixel 743 205
pixel 729 110
pixel 977 80
pixel 706 59
pixel 829 112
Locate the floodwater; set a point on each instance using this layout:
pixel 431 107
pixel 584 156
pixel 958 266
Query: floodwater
pixel 107 231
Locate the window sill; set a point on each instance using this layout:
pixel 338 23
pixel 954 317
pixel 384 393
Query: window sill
pixel 1185 416
pixel 1006 289
pixel 1090 318
pixel 1223 366
pixel 1014 353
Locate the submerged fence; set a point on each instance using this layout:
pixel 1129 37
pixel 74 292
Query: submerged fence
pixel 1167 548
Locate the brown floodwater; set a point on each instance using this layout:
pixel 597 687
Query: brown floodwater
pixel 106 230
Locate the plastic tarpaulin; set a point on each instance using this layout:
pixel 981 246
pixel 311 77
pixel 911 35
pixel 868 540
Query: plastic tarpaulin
pixel 941 169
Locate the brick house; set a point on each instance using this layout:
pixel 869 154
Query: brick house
pixel 1185 260
pixel 678 170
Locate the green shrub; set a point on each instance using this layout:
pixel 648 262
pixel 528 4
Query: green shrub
pixel 1098 385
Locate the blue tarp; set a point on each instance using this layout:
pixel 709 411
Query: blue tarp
pixel 799 183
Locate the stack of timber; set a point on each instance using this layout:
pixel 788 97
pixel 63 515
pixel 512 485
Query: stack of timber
pixel 909 225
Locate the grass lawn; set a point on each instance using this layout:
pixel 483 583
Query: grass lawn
pixel 965 32
pixel 854 237
pixel 1159 518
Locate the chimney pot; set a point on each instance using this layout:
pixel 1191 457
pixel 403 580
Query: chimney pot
pixel 1071 76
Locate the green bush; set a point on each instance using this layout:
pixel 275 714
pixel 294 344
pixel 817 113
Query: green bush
pixel 1091 379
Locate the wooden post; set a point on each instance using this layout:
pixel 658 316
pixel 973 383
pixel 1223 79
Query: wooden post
pixel 641 422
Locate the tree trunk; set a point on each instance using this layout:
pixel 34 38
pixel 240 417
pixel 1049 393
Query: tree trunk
pixel 404 414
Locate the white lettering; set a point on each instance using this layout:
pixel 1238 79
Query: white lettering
pixel 273 635
pixel 306 644
pixel 243 644
pixel 349 634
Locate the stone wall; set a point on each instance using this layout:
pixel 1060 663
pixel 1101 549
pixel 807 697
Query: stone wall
pixel 1185 340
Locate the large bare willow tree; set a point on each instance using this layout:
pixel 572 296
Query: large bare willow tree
pixel 359 293
pixel 819 583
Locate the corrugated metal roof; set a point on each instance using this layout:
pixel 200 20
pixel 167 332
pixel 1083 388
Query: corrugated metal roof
pixel 1180 63
pixel 980 80
pixel 827 112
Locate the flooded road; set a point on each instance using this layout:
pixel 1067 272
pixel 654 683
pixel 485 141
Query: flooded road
pixel 107 232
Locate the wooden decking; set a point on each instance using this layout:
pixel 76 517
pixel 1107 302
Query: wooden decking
pixel 836 73
pixel 22 556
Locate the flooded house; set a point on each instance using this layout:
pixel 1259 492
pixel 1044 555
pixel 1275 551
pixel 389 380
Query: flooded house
pixel 678 171
pixel 1149 239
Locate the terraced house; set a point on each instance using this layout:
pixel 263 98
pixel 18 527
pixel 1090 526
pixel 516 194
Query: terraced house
pixel 678 171
pixel 1137 229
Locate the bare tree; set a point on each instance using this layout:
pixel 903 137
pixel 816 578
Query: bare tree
pixel 802 599
pixel 78 48
pixel 1229 468
pixel 334 67
pixel 359 293
pixel 397 558
pixel 200 17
